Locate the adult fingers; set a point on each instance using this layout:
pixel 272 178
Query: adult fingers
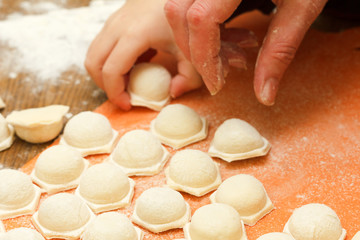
pixel 286 31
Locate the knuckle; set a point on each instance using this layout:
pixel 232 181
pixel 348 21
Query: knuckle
pixel 283 52
pixel 198 13
pixel 171 8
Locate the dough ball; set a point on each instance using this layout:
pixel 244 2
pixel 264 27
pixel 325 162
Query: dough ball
pixel 88 130
pixel 214 222
pixel 237 136
pixel 63 212
pixel 110 226
pixel 150 81
pixel 178 121
pixel 160 205
pixel 244 193
pixel 104 183
pixel 276 236
pixel 138 149
pixel 314 222
pixel 23 234
pixel 16 189
pixel 192 168
pixel 4 130
pixel 59 164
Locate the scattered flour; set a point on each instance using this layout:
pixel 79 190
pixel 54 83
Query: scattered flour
pixel 40 7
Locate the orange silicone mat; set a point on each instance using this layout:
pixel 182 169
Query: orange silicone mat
pixel 314 129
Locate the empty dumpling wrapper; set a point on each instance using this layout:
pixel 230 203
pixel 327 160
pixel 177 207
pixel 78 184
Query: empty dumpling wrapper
pixel 276 236
pixel 139 153
pixel 6 134
pixel 22 234
pixel 315 221
pixel 59 168
pixel 18 195
pixel 194 172
pixel 38 125
pixel 246 195
pixel 178 125
pixel 112 226
pixel 105 187
pixel 149 86
pixel 89 133
pixel 357 236
pixel 236 139
pixel 215 221
pixel 160 209
pixel 62 215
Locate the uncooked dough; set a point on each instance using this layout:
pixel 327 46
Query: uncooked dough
pixel 62 215
pixel 236 139
pixel 247 195
pixel 22 234
pixel 139 153
pixel 215 221
pixel 276 236
pixel 18 195
pixel 315 221
pixel 2 228
pixel 6 134
pixel 2 104
pixel 149 86
pixel 90 133
pixel 194 172
pixel 357 236
pixel 112 226
pixel 38 125
pixel 159 209
pixel 59 168
pixel 178 125
pixel 105 187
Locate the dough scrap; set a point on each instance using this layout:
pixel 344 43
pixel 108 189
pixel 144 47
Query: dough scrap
pixel 105 187
pixel 139 153
pixel 149 86
pixel 194 172
pixel 159 209
pixel 236 139
pixel 62 215
pixel 315 221
pixel 59 168
pixel 112 226
pixel 2 104
pixel 22 234
pixel 215 221
pixel 357 236
pixel 18 195
pixel 38 125
pixel 276 236
pixel 178 125
pixel 246 195
pixel 6 134
pixel 89 133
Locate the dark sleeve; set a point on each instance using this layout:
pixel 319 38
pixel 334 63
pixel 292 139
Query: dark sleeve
pixel 265 6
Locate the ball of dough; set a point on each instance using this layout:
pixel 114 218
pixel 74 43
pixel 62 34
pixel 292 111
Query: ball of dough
pixel 237 136
pixel 23 234
pixel 150 81
pixel 59 164
pixel 160 205
pixel 192 168
pixel 104 183
pixel 110 226
pixel 4 130
pixel 244 193
pixel 276 236
pixel 216 221
pixel 16 189
pixel 138 149
pixel 63 212
pixel 88 130
pixel 315 222
pixel 178 121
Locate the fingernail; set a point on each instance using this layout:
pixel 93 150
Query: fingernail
pixel 269 91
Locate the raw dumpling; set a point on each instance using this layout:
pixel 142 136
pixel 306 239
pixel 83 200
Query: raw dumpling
pixel 214 222
pixel 18 195
pixel 139 153
pixel 178 125
pixel 90 133
pixel 194 172
pixel 2 104
pixel 62 215
pixel 276 236
pixel 112 226
pixel 38 125
pixel 235 139
pixel 105 187
pixel 149 86
pixel 246 195
pixel 357 236
pixel 22 234
pixel 315 221
pixel 160 209
pixel 6 134
pixel 58 168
